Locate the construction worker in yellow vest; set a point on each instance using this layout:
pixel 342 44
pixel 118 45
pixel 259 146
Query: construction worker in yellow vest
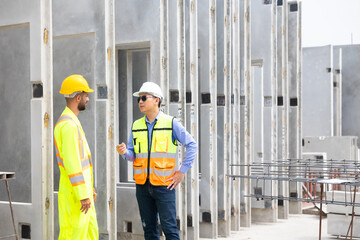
pixel 152 147
pixel 76 197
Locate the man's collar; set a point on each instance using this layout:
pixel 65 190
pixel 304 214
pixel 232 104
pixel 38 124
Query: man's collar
pixel 156 118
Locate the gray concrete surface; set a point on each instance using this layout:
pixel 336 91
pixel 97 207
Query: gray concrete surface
pixel 297 227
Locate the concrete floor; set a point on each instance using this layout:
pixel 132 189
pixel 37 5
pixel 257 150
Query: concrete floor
pixel 297 227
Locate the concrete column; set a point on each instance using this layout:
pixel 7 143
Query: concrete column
pixel 235 195
pixel 208 147
pixel 294 133
pixel 283 103
pixel 264 49
pixel 337 63
pixel 181 110
pixel 110 117
pixel 224 123
pixel 164 53
pixel 273 191
pixel 193 173
pixel 47 172
pixel 248 113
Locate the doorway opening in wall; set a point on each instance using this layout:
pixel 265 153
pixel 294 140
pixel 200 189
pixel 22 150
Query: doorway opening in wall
pixel 133 64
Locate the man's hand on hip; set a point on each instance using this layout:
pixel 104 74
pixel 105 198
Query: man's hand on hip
pixel 175 180
pixel 85 205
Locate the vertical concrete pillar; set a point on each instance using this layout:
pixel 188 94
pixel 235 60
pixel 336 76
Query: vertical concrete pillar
pixel 110 117
pixel 224 150
pixel 208 147
pixel 283 106
pixel 235 183
pixel 294 131
pixel 181 110
pixel 193 174
pixel 164 53
pixel 337 63
pixel 273 191
pixel 248 113
pixel 264 48
pixel 47 173
pixel 257 120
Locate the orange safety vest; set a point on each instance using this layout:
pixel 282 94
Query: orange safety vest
pixel 157 164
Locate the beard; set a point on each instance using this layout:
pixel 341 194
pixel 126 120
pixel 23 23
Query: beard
pixel 82 106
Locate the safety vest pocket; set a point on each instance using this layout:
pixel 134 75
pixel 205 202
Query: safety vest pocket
pixel 140 168
pixel 163 169
pixel 161 143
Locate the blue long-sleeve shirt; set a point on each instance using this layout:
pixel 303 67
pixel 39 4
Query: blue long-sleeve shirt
pixel 179 133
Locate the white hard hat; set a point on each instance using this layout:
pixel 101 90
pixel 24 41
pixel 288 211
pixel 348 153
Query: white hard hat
pixel 150 88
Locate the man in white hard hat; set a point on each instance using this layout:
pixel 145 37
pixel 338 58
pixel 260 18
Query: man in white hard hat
pixel 152 147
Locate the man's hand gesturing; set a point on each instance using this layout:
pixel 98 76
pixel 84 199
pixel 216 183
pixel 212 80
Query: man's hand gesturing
pixel 121 148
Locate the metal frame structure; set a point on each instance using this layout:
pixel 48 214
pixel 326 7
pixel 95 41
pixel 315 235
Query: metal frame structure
pixel 327 173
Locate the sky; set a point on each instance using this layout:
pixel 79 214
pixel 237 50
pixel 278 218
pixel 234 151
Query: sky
pixel 335 22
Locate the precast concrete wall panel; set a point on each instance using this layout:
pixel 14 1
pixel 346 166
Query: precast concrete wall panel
pixel 258 126
pixel 263 49
pixel 207 11
pixel 258 120
pixel 173 67
pixel 338 224
pixel 282 100
pixel 318 91
pixel 100 172
pixel 16 93
pixel 128 217
pixel 246 109
pixel 137 22
pixel 74 17
pixel 350 87
pixel 294 93
pixel 223 229
pixel 279 70
pixel 21 59
pixel 336 148
pixel 75 55
pixel 337 90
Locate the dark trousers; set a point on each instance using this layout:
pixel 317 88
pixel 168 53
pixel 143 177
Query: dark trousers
pixel 154 201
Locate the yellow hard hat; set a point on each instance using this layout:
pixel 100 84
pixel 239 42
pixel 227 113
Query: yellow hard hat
pixel 74 83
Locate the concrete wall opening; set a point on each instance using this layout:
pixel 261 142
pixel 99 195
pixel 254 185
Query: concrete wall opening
pixel 133 71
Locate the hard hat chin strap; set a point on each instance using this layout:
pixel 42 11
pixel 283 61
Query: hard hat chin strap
pixel 72 95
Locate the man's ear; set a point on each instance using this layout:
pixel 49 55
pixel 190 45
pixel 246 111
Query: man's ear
pixel 78 98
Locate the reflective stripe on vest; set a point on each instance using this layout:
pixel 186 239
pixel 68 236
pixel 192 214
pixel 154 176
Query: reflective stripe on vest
pixel 156 155
pixel 77 179
pixel 140 171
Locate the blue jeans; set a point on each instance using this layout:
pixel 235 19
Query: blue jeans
pixel 154 200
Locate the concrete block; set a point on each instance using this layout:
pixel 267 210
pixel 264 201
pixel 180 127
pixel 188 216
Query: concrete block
pixel 127 210
pixel 338 224
pixel 337 148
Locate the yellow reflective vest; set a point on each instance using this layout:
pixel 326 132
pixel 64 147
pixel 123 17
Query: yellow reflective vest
pixel 76 179
pixel 158 164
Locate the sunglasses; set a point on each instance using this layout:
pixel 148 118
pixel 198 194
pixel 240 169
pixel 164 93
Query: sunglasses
pixel 143 98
